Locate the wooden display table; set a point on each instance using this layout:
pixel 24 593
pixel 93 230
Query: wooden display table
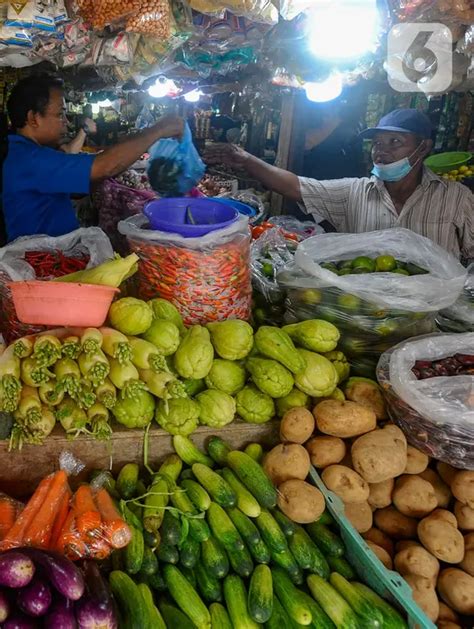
pixel 20 472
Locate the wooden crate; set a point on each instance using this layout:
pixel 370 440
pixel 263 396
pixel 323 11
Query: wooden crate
pixel 20 472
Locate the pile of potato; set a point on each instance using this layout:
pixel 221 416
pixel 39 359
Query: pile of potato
pixel 417 516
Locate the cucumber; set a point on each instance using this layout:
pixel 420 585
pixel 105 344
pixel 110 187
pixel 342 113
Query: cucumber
pixel 365 610
pixel 155 504
pixel 197 494
pixel 155 618
pixel 171 468
pixel 287 526
pixel 214 558
pixel 251 474
pixel 127 480
pixel 223 528
pixel 116 559
pixel 141 488
pixel 286 561
pixel 170 530
pixel 326 519
pixel 260 598
pixel 332 603
pixel 152 540
pixel 327 541
pixel 187 474
pixel 289 596
pixel 218 488
pixel 392 619
pixel 307 554
pixel 341 565
pixel 130 600
pixel 245 526
pixel 167 553
pixel 218 450
pixel 245 501
pixel 320 620
pixel 241 561
pixel 279 618
pixel 208 586
pixel 133 553
pixel 255 451
pixel 189 552
pixel 271 533
pixel 219 617
pixel 197 526
pixel 186 597
pixel 189 574
pixel 150 562
pixel 156 582
pixel 235 596
pixel 189 453
pixel 260 552
pixel 174 617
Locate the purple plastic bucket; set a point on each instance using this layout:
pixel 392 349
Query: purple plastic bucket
pixel 189 217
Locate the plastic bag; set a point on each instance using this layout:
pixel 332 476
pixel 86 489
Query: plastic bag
pixel 436 414
pixel 89 241
pixel 289 9
pixel 207 278
pixel 256 10
pixel 460 316
pixel 304 229
pixel 175 166
pixel 154 18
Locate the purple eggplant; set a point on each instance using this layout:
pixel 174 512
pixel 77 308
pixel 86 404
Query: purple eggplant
pixel 18 621
pixel 60 572
pixel 96 607
pixel 61 615
pixel 35 598
pixel 4 606
pixel 16 569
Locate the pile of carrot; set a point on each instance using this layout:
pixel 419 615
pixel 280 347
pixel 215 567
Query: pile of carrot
pixel 86 525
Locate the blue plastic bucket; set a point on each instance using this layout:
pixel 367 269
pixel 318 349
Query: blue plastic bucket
pixel 189 217
pixel 242 208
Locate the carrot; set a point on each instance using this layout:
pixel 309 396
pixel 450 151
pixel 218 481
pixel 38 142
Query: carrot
pixel 39 532
pixel 69 542
pixel 8 510
pixel 60 520
pixel 99 549
pixel 88 520
pixel 15 536
pixel 115 529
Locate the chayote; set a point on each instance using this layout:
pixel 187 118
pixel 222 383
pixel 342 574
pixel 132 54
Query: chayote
pixel 227 376
pixel 315 335
pixel 178 416
pixel 319 377
pixel 273 343
pixel 232 339
pixel 217 408
pixel 270 376
pixel 295 398
pixel 164 335
pixel 253 406
pixel 341 364
pixel 194 356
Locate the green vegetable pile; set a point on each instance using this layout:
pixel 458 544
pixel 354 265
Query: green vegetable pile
pixel 210 548
pixel 148 365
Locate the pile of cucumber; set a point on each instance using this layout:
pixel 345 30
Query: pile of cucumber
pixel 211 549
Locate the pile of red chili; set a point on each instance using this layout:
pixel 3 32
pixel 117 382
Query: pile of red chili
pixel 49 264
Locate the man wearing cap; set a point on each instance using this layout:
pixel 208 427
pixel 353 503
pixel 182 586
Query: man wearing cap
pixel 402 192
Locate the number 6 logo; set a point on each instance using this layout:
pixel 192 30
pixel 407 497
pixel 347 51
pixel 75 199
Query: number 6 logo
pixel 420 58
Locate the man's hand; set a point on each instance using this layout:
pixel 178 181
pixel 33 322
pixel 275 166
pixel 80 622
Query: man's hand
pixel 89 126
pixel 228 154
pixel 170 127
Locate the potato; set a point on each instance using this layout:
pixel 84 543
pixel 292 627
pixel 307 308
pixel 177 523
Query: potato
pixel 286 461
pixel 380 495
pixel 382 554
pixel 447 614
pixel 297 425
pixel 445 516
pixel 300 501
pixel 324 451
pixel 417 461
pixel 380 455
pixel 442 491
pixel 414 496
pixel 447 472
pixel 417 561
pixel 467 564
pixel 403 544
pixel 464 516
pixel 424 594
pixel 368 394
pixel 462 487
pixel 379 539
pixel 438 535
pixel 395 524
pixel 359 515
pixel 343 419
pixel 345 483
pixel 456 588
pixel 447 624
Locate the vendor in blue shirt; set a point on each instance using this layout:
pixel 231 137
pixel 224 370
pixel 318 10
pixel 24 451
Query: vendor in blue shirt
pixel 38 178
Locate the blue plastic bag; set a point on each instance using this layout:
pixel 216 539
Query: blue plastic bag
pixel 175 166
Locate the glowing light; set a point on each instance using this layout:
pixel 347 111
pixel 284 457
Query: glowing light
pixel 105 103
pixel 95 108
pixel 162 87
pixel 344 30
pixel 326 90
pixel 193 97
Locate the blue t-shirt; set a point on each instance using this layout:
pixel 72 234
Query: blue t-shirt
pixel 37 184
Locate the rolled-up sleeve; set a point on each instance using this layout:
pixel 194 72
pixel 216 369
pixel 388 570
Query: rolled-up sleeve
pixel 467 236
pixel 328 199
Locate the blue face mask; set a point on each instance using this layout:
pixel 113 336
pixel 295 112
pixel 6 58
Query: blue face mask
pixel 396 170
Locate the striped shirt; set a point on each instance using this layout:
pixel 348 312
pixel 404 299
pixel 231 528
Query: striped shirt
pixel 438 209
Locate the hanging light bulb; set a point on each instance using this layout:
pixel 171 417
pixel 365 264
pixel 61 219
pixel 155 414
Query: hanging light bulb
pixel 95 108
pixel 162 87
pixel 326 90
pixel 193 97
pixel 105 103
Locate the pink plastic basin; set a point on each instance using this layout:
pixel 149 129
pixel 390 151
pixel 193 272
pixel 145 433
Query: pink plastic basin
pixel 62 304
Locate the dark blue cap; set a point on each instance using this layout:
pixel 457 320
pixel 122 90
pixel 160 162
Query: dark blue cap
pixel 404 121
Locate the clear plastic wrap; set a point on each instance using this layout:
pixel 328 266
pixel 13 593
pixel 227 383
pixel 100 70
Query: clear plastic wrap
pixel 89 241
pixel 304 229
pixel 289 9
pixel 460 316
pixel 153 18
pixel 207 278
pixel 436 414
pixel 256 10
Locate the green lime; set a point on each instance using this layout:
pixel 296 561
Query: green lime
pixel 311 296
pixel 364 262
pixel 329 266
pixel 268 270
pixel 360 270
pixel 349 302
pixel 400 271
pixel 414 269
pixel 259 315
pixel 385 263
pixel 387 327
pixel 344 264
pixel 344 272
